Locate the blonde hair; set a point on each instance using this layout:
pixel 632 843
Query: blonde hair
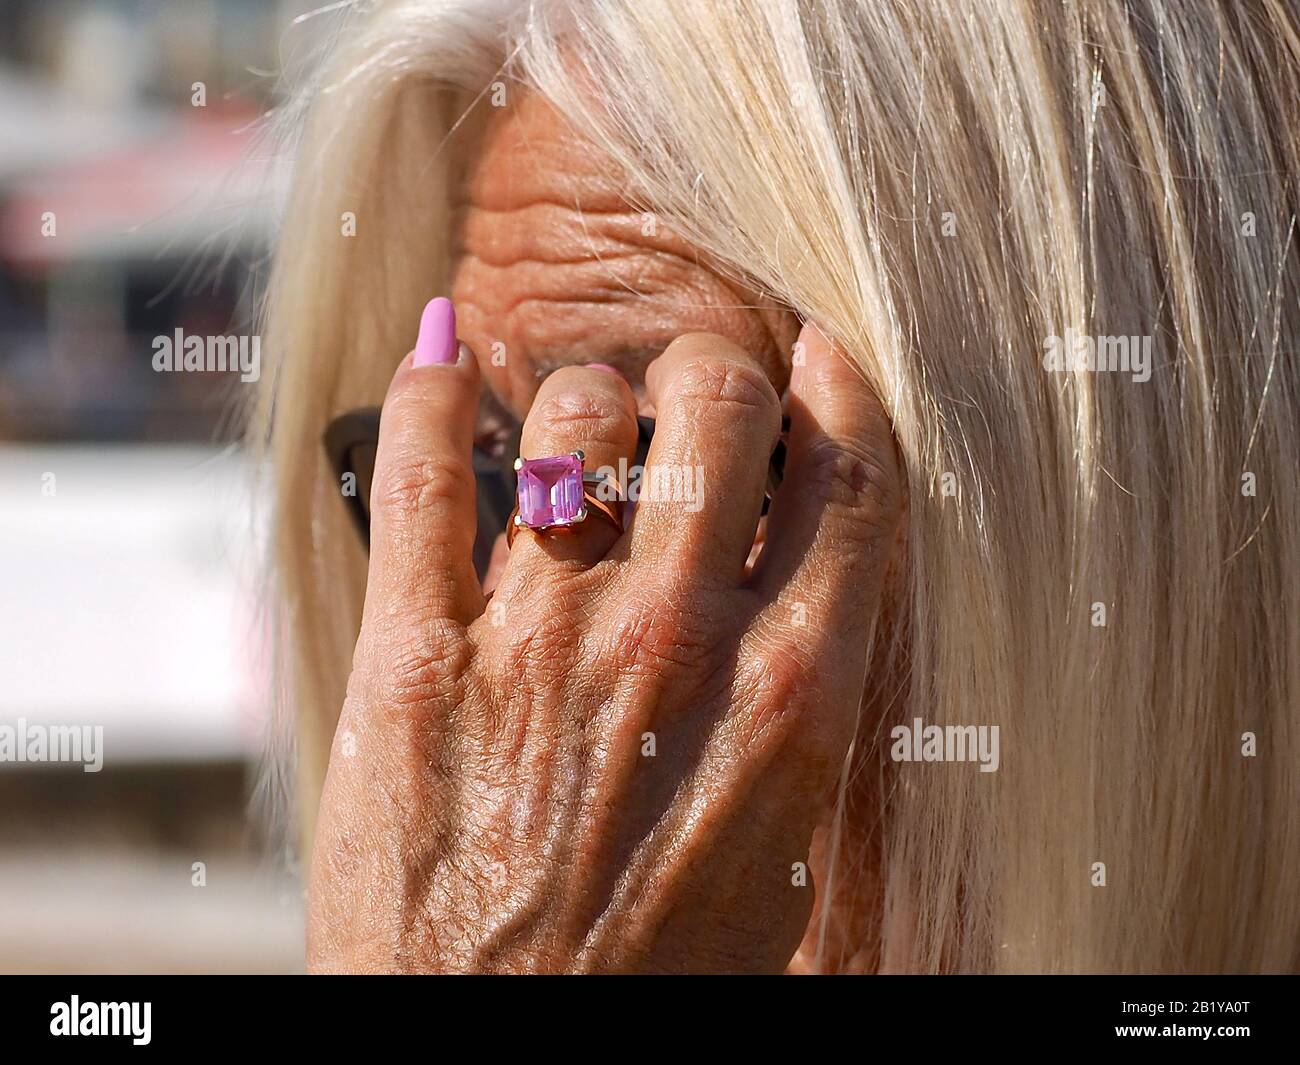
pixel 1104 567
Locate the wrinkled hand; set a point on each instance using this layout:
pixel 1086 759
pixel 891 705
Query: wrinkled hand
pixel 616 764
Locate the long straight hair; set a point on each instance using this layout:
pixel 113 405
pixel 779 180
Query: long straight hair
pixel 1102 557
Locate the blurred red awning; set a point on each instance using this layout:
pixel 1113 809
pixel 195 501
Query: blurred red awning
pixel 195 185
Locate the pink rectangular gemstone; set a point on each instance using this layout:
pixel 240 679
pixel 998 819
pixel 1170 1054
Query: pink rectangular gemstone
pixel 550 490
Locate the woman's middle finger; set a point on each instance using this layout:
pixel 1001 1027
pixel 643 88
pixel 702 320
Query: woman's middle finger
pixel 719 419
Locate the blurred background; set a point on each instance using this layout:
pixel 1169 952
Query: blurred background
pixel 134 201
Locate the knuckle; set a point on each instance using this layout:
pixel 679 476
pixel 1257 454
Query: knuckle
pixel 781 692
pixel 587 417
pixel 420 670
pixel 538 653
pixel 778 683
pixel 414 486
pixel 854 483
pixel 726 382
pixel 648 635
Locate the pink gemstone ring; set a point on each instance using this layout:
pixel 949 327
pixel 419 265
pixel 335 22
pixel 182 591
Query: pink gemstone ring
pixel 554 493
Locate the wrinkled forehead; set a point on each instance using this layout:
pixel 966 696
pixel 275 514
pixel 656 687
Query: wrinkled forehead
pixel 553 265
pixel 525 151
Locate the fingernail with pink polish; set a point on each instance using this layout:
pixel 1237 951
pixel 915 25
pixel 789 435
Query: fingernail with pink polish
pixel 436 343
pixel 603 366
